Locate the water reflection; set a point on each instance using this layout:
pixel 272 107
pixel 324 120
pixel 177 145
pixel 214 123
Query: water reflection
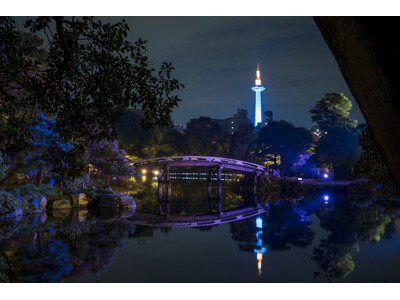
pixel 260 250
pixel 76 245
pixel 54 251
pixel 348 223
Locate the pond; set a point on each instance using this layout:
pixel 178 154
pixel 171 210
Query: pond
pixel 318 239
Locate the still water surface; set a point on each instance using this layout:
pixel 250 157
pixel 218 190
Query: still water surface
pixel 344 240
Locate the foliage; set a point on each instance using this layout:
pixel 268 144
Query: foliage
pixel 10 203
pixel 158 142
pixel 242 141
pixel 338 152
pixel 46 151
pixel 373 167
pixel 132 137
pixel 337 149
pixel 21 67
pixel 206 137
pixel 78 183
pixel 92 245
pixel 3 167
pixel 348 222
pixel 108 158
pixel 332 112
pixel 96 73
pixel 30 191
pixel 48 261
pixel 165 141
pixel 22 196
pixel 282 139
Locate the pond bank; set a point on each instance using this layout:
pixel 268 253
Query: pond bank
pixel 31 199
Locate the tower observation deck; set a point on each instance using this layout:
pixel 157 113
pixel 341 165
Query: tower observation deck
pixel 258 88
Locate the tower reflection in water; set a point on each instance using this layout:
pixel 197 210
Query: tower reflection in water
pixel 260 250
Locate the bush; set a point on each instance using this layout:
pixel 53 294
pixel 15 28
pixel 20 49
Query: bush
pixel 3 167
pixel 9 203
pixel 29 191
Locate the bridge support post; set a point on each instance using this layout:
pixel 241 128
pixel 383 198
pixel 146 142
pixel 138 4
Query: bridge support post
pixel 164 202
pixel 214 203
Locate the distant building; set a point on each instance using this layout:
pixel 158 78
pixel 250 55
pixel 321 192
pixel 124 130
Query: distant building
pixel 179 127
pixel 268 117
pixel 232 124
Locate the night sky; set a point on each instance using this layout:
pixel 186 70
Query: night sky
pixel 216 59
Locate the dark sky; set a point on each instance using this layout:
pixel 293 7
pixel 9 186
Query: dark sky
pixel 216 59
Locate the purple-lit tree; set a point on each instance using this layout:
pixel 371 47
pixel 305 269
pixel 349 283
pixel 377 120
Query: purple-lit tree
pixel 109 159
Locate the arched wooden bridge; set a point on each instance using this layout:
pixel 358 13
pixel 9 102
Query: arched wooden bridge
pixel 214 165
pixel 200 161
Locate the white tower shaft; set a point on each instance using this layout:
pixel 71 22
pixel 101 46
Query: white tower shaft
pixel 257 101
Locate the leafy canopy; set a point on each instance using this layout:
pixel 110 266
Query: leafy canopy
pixel 94 73
pixel 337 150
pixel 373 167
pixel 21 71
pixel 332 112
pixel 281 138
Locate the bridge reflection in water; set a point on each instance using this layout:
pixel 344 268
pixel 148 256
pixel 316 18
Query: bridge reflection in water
pixel 233 215
pixel 162 167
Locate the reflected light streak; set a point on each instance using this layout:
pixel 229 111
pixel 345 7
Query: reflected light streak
pixel 260 250
pixel 259 222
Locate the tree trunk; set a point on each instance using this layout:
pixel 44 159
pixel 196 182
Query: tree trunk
pixel 367 51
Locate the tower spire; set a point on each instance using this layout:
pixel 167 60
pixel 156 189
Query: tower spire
pixel 258 75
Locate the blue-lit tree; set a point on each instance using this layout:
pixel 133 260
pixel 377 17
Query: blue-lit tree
pixel 46 151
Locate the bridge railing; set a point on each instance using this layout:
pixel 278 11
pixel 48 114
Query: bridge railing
pixel 210 159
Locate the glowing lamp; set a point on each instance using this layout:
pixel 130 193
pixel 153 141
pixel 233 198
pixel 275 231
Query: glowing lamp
pixel 326 175
pixel 259 222
pixel 259 256
pixel 144 171
pixel 114 178
pixel 299 179
pixel 326 197
pixel 156 172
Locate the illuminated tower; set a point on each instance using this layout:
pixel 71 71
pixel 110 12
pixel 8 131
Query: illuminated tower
pixel 257 104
